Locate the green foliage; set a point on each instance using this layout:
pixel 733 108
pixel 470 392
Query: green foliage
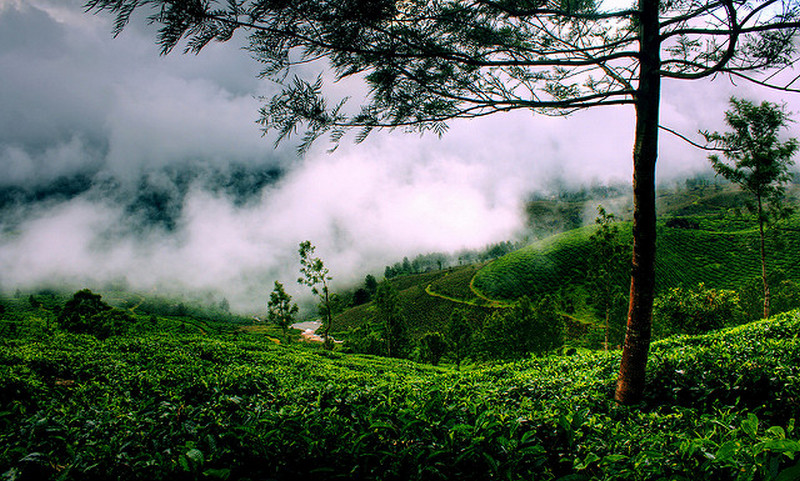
pixel 394 326
pixel 316 276
pixel 759 161
pixel 760 164
pixel 608 266
pixel 718 406
pixel 456 284
pixel 421 311
pixel 459 335
pixel 784 294
pixel 367 338
pixel 86 313
pixel 527 328
pixel 695 311
pixel 280 309
pixel 370 284
pixel 432 346
pixel 718 254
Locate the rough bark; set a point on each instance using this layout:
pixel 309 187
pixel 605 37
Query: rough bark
pixel 631 379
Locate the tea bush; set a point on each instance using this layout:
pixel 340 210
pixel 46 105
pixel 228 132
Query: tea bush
pixel 168 406
pixel 696 310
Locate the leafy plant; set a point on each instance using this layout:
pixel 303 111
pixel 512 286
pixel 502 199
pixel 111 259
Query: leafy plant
pixel 697 310
pixel 758 162
pixel 86 313
pixel 281 310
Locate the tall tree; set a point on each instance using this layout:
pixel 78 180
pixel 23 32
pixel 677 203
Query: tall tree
pixel 758 162
pixel 281 310
pixel 430 61
pixel 316 276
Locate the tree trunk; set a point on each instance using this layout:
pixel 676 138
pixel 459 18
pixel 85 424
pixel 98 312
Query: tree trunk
pixel 327 343
pixel 631 379
pixel 763 259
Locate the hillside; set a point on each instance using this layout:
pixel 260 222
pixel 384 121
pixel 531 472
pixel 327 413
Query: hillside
pixel 704 235
pixel 422 310
pixel 191 406
pixel 712 253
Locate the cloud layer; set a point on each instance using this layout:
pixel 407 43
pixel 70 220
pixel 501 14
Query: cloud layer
pixel 123 165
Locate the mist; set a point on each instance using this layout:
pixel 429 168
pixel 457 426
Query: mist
pixel 121 166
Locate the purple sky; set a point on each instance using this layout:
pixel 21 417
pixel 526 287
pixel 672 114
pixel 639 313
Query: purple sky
pixel 75 100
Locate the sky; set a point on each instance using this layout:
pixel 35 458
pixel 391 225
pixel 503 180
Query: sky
pixel 121 165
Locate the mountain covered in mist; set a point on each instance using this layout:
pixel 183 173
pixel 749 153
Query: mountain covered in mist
pixel 151 200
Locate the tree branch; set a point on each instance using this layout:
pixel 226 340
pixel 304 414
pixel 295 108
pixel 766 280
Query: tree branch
pixel 690 141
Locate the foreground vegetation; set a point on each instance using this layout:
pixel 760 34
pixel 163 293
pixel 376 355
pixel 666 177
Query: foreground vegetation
pixel 229 405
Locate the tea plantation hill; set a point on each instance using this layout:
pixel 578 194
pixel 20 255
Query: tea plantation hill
pixel 704 235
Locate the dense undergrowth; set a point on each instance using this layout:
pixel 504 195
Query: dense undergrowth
pixel 169 406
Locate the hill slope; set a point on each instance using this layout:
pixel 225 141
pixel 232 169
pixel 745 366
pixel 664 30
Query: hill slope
pixel 712 241
pixel 714 253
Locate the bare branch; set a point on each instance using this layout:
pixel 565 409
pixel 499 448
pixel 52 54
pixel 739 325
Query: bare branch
pixel 690 141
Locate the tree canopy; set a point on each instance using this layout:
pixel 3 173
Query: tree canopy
pixel 426 62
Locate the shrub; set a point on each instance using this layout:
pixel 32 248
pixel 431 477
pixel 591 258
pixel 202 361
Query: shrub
pixel 695 311
pixel 86 313
pixel 432 347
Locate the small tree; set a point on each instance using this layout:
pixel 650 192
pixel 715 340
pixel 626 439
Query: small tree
pixel 606 273
pixel 395 331
pixel 281 310
pixel 86 313
pixel 459 336
pixel 316 276
pixel 758 162
pixel 432 347
pixel 371 284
